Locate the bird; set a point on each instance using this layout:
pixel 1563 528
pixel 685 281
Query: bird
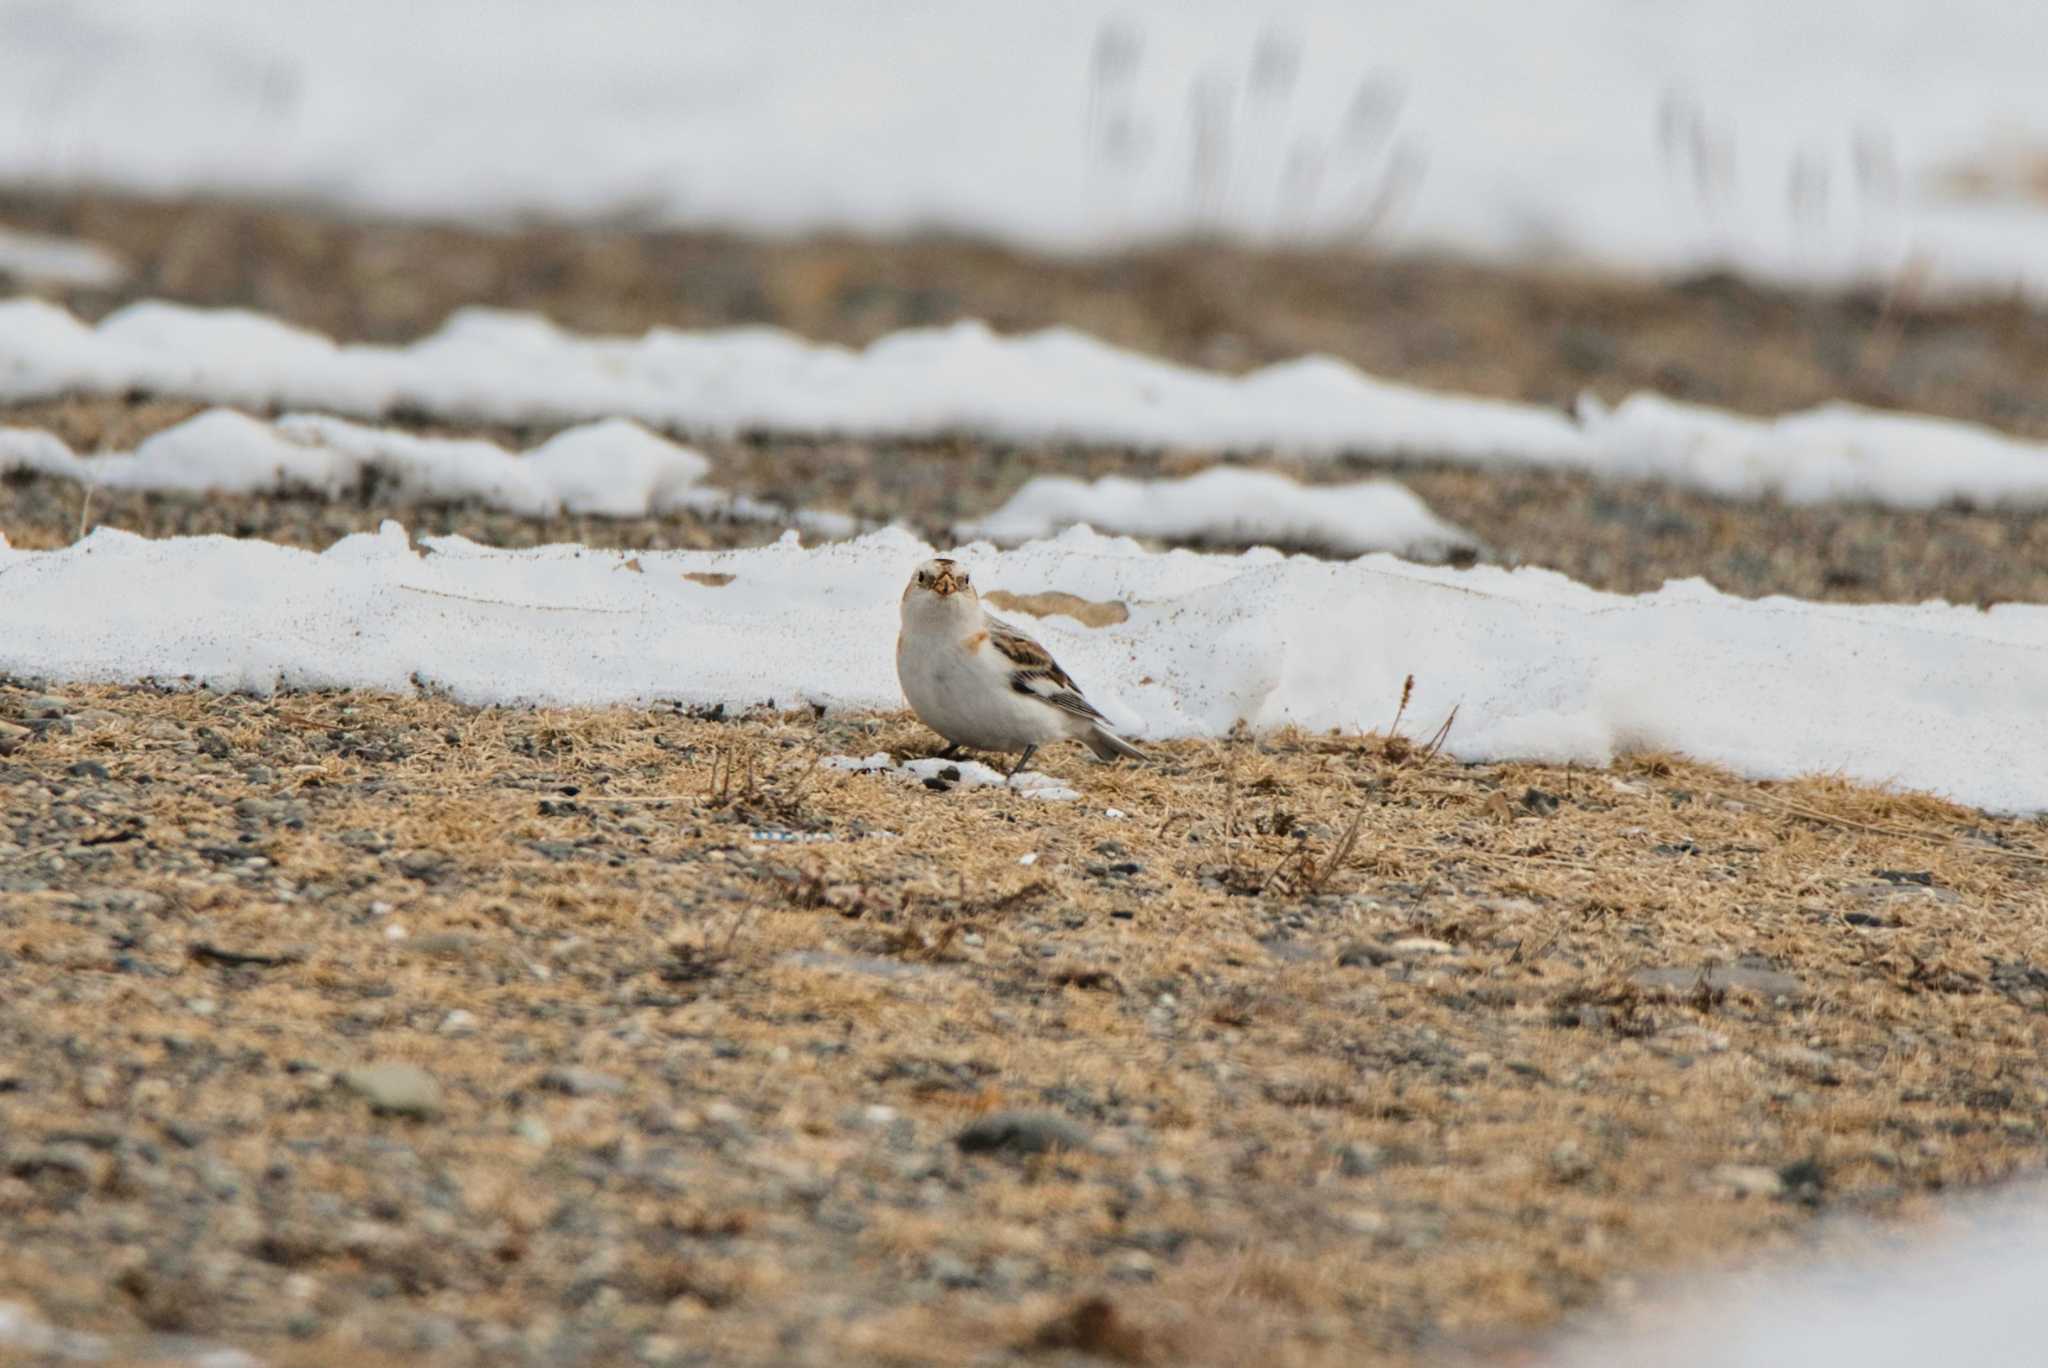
pixel 982 684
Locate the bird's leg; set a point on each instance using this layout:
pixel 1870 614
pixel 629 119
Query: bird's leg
pixel 951 752
pixel 1022 761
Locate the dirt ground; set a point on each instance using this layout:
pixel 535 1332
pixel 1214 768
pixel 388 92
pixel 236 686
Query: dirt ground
pixel 1294 1049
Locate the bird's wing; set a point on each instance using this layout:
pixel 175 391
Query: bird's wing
pixel 1033 671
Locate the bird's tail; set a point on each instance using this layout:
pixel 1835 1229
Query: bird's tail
pixel 1107 745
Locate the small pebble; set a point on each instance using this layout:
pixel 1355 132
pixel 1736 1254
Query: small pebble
pixel 396 1089
pixel 1018 1133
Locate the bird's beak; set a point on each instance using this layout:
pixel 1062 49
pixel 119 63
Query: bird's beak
pixel 944 584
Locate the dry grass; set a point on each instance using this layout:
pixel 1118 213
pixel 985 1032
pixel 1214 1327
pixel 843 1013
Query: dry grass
pixel 1279 949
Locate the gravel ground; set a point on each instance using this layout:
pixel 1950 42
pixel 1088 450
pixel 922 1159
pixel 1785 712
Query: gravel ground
pixel 381 1028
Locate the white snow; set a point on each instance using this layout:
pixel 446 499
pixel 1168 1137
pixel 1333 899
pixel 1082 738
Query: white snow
pixel 1226 504
pixel 1835 453
pixel 1945 699
pixel 612 468
pixel 961 774
pixel 1808 139
pixel 1962 1293
pixel 1052 386
pixel 39 259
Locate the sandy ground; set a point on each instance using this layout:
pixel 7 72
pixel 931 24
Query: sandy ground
pixel 1295 1050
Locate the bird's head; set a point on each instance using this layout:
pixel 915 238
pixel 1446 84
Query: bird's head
pixel 941 577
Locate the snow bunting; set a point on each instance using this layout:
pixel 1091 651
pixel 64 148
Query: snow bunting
pixel 981 683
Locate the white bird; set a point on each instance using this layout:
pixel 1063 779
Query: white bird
pixel 981 683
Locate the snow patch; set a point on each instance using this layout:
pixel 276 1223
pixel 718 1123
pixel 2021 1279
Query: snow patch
pixel 1945 699
pixel 1229 505
pixel 614 468
pixel 955 774
pixel 1962 1293
pixel 1056 386
pixel 38 259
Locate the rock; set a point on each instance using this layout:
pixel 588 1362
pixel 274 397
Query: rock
pixel 87 769
pixel 425 865
pixel 574 1082
pixel 441 944
pixel 1360 1159
pixel 949 1270
pixel 1747 1180
pixel 46 706
pixel 11 737
pixel 1020 1133
pixel 458 1023
pixel 396 1089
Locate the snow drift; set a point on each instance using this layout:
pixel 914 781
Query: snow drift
pixel 1229 505
pixel 1945 699
pixel 1048 387
pixel 613 468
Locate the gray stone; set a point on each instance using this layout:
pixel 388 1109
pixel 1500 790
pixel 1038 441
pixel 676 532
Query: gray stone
pixel 1359 1159
pixel 11 737
pixel 396 1089
pixel 424 865
pixel 574 1082
pixel 1019 1133
pixel 1746 1180
pixel 949 1270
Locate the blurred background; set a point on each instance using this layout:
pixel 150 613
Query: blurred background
pixel 1761 205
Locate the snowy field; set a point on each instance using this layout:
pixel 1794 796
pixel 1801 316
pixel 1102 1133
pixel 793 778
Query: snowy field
pixel 1820 140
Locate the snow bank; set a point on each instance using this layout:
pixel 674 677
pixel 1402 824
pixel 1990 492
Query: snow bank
pixel 1836 453
pixel 37 259
pixel 614 468
pixel 1963 1295
pixel 1226 504
pixel 1818 140
pixel 1052 386
pixel 1950 700
pixel 492 366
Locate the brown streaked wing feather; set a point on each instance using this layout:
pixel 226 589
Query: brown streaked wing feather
pixel 1037 673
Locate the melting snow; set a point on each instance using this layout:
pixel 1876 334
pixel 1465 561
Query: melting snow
pixel 1224 504
pixel 614 468
pixel 1951 700
pixel 1052 386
